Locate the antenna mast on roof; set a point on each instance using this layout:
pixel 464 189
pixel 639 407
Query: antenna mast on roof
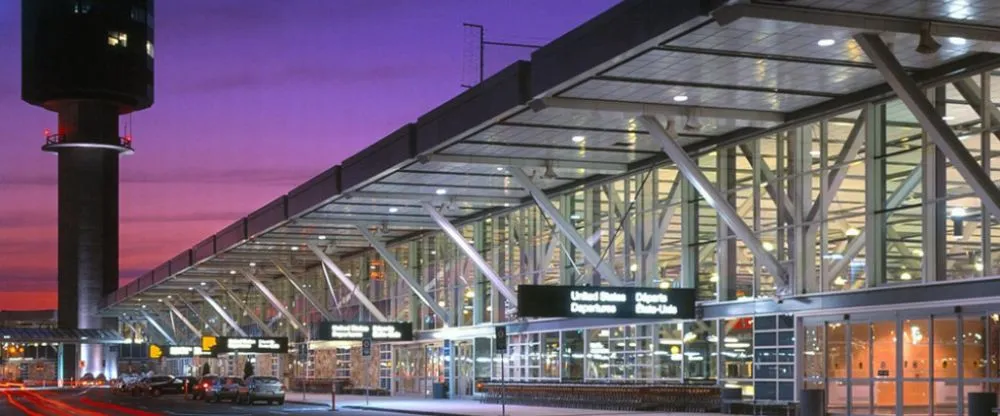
pixel 478 33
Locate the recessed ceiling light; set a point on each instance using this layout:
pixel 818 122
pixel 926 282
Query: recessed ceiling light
pixel 958 212
pixel 957 41
pixel 852 232
pixel 295 248
pixel 578 139
pixel 905 276
pixel 232 272
pixel 170 297
pixel 500 168
pixel 347 274
pixel 190 288
pixel 441 191
pixel 814 153
pixel 680 98
pixel 322 237
pixel 948 118
pixel 393 210
pixel 252 264
pixel 826 42
pixel 202 283
pixel 160 300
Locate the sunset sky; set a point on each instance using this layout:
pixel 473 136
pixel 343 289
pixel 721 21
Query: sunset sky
pixel 252 98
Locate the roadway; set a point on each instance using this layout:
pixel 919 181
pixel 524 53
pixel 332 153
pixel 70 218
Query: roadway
pixel 100 401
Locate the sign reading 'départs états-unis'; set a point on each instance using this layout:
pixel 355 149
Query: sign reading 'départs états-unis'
pixel 357 331
pixel 547 301
pixel 248 345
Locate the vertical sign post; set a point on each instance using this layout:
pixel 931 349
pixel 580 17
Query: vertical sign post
pixel 501 347
pixel 366 352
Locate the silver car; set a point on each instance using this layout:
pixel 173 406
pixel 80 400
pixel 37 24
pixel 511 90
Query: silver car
pixel 262 388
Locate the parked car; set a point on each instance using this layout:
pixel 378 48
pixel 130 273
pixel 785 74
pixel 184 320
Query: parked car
pixel 202 385
pixel 262 388
pixel 87 380
pixel 224 388
pixel 158 385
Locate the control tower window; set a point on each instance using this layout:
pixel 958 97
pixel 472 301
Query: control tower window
pixel 119 39
pixel 138 14
pixel 149 48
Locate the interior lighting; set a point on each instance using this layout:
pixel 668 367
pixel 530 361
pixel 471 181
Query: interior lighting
pixel 680 98
pixel 232 272
pixel 852 232
pixel 441 191
pixel 957 41
pixel 190 288
pixel 578 139
pixel 767 246
pixel 958 212
pixel 295 248
pixel 664 285
pixel 393 210
pixel 633 268
pixel 839 281
pixel 979 266
pixel 826 42
pixel 441 303
pixel 948 118
pixel 252 264
pixel 202 283
pixel 905 276
pixel 322 237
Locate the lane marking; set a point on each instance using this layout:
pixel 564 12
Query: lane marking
pixel 85 391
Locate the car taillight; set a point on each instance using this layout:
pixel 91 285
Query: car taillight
pixel 206 385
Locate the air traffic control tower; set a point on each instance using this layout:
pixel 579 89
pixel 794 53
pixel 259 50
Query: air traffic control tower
pixel 89 61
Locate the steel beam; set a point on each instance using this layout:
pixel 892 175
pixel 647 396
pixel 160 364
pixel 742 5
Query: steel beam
pixel 477 259
pixel 836 176
pixel 412 196
pixel 194 329
pixel 688 168
pixel 854 20
pixel 404 274
pixel 970 92
pixel 595 167
pixel 198 315
pixel 332 290
pixel 662 226
pixel 221 312
pixel 564 227
pixel 780 198
pixel 302 290
pixel 157 327
pixel 276 302
pixel 264 327
pixel 945 139
pixel 346 281
pixel 654 109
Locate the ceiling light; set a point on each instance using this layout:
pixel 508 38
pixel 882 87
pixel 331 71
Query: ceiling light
pixel 947 118
pixel 839 281
pixel 852 232
pixel 252 264
pixel 714 278
pixel 500 168
pixel 680 98
pixel 434 252
pixel 664 285
pixel 441 191
pixel 633 268
pixel 905 276
pixel 347 274
pixel 918 252
pixel 957 41
pixel 578 139
pixel 169 297
pixel 826 42
pixel 958 212
pixel 232 272
pixel 322 237
pixel 767 246
pixel 441 303
pixel 160 300
pixel 814 153
pixel 393 210
pixel 203 283
pixel 506 204
pixel 295 248
pixel 979 267
pixel 190 288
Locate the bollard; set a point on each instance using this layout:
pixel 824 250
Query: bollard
pixel 333 397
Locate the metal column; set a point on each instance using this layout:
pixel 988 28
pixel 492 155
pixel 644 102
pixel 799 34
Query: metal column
pixel 949 144
pixel 276 302
pixel 156 325
pixel 198 315
pixel 564 227
pixel 800 190
pixel 194 329
pixel 935 187
pixel 404 274
pixel 264 327
pixel 221 312
pixel 353 288
pixel 477 259
pixel 726 211
pixel 726 256
pixel 875 201
pixel 305 294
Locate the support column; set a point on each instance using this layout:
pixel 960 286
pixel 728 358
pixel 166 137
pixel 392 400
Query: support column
pixel 156 326
pixel 804 235
pixel 459 240
pixel 347 282
pixel 935 234
pixel 305 294
pixel 949 144
pixel 875 202
pixel 726 257
pixel 264 327
pixel 276 303
pixel 404 274
pixel 221 312
pixel 565 228
pixel 689 235
pixel 688 168
pixel 480 286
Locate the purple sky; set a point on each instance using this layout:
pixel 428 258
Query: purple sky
pixel 252 98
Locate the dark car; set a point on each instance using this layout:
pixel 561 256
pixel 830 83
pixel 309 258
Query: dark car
pixel 224 388
pixel 262 388
pixel 158 385
pixel 203 384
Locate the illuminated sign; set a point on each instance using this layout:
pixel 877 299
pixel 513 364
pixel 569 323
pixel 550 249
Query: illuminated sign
pixel 249 345
pixel 176 351
pixel 357 331
pixel 546 301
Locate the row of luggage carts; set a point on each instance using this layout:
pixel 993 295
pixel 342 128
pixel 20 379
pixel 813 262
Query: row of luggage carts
pixel 630 397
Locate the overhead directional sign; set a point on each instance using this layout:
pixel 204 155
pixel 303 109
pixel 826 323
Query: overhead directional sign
pixel 357 331
pixel 247 345
pixel 176 351
pixel 547 301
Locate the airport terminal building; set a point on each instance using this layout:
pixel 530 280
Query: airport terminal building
pixel 817 175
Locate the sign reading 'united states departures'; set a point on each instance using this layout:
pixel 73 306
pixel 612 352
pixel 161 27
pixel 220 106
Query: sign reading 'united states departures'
pixel 546 301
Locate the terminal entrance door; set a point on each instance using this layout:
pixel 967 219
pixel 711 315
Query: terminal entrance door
pixel 465 359
pixel 418 367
